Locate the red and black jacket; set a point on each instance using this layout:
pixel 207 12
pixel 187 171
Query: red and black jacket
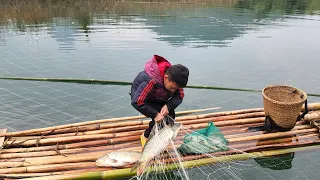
pixel 148 88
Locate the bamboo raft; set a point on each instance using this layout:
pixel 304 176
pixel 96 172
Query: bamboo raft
pixel 69 151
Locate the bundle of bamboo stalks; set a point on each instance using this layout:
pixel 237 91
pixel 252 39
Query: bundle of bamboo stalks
pixel 70 151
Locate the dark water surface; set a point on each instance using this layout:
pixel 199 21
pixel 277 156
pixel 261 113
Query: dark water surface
pixel 238 44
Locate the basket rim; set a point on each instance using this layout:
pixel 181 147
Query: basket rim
pixel 284 103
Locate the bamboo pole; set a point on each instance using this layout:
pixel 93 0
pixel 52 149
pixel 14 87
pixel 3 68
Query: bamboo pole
pixel 234 133
pixel 231 122
pixel 129 144
pixel 236 129
pixel 59 167
pixel 124 134
pixel 54 128
pixel 17 155
pixel 86 176
pixel 282 145
pixel 84 170
pixel 121 173
pixel 17 162
pixel 64 166
pixel 104 142
pixel 72 138
pixel 86 165
pixel 49 168
pixel 135 125
pixel 101 131
pixel 222 123
pixel 41 141
pixel 248 134
pixel 60 159
pixel 200 162
pixel 110 128
pixel 172 156
pixel 75 158
pixel 32 149
pixel 76 127
pixel 272 135
pixel 293 139
pixel 66 152
pixel 139 127
pixel 92 156
pixel 205 124
pixel 312 116
pixel 302 141
pixel 55 150
pixel 28 175
pixel 312 106
pixel 245 150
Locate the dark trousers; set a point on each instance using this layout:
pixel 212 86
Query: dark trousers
pixel 167 120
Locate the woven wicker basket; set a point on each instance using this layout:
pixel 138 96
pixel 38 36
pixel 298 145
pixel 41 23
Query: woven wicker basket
pixel 283 104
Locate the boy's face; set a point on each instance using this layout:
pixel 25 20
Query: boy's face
pixel 170 85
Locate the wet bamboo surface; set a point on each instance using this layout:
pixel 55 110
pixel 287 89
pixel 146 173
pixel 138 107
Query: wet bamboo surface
pixel 73 148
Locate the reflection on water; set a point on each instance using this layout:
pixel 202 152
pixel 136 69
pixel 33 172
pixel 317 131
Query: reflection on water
pixel 279 162
pixel 210 23
pixel 85 36
pixel 63 33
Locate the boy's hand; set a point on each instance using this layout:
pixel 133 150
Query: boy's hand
pixel 164 110
pixel 158 118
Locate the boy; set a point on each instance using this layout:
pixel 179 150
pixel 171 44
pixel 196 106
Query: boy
pixel 157 91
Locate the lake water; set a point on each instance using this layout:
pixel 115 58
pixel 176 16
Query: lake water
pixel 236 44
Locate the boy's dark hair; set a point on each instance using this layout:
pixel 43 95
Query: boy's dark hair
pixel 178 74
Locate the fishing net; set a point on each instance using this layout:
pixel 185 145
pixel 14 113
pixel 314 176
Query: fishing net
pixel 83 43
pixel 207 140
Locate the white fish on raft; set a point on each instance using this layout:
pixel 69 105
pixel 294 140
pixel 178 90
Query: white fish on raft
pixel 157 144
pixel 118 159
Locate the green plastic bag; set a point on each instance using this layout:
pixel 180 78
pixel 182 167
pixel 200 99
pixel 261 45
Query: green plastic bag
pixel 207 140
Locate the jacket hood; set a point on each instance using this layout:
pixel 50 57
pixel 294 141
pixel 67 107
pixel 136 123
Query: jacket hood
pixel 156 67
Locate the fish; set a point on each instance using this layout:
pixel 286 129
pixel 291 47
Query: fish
pixel 118 159
pixel 155 145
